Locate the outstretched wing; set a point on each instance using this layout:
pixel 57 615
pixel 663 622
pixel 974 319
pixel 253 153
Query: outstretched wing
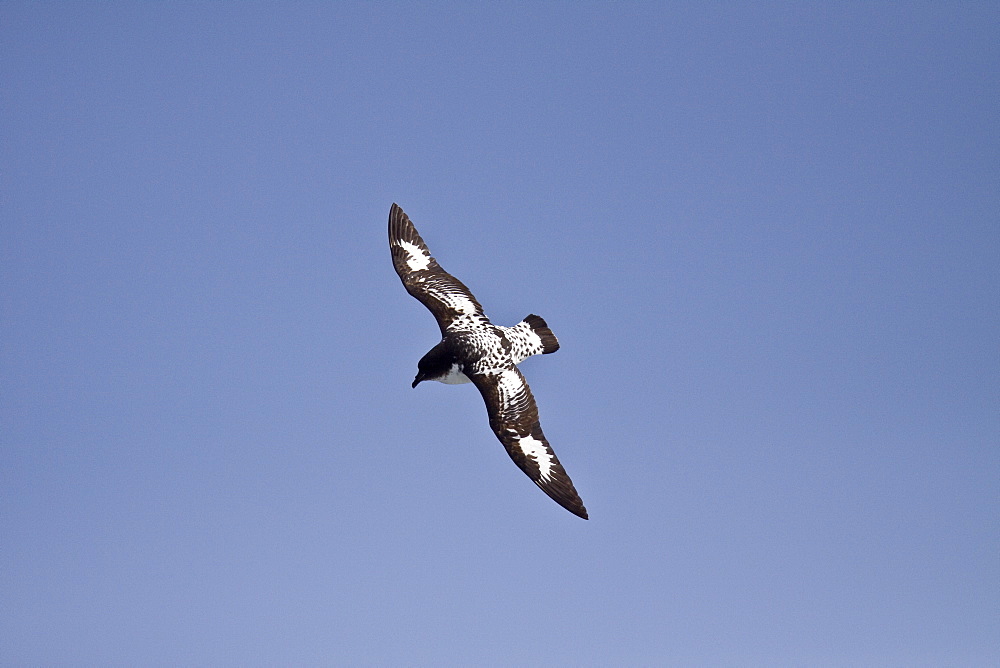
pixel 445 296
pixel 514 419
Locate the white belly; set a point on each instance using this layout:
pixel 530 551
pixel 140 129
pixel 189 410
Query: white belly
pixel 454 376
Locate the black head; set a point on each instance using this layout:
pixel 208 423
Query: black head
pixel 434 364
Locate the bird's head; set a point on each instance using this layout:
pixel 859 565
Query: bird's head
pixel 433 365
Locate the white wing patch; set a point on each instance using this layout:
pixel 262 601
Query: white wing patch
pixel 536 450
pixel 459 302
pixel 419 258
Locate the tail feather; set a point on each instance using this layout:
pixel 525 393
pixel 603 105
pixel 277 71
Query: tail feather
pixel 550 343
pixel 530 337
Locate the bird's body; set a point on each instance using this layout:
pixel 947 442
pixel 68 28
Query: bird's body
pixel 472 349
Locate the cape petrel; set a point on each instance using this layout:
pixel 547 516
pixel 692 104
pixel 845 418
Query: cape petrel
pixel 474 350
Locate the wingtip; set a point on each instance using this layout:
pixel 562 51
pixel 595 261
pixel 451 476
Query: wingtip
pixel 399 222
pixel 396 221
pixel 566 496
pixel 577 510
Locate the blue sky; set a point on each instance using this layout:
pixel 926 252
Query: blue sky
pixel 767 237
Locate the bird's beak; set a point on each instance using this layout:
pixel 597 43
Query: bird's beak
pixel 416 381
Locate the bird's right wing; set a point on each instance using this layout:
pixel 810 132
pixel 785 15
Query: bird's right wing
pixel 514 419
pixel 443 294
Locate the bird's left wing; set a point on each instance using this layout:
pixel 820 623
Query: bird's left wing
pixel 514 419
pixel 443 294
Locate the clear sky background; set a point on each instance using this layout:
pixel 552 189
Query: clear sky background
pixel 767 237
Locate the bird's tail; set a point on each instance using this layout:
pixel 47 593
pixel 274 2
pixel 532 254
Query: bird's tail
pixel 531 336
pixel 550 343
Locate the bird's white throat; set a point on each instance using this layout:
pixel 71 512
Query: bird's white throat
pixel 454 376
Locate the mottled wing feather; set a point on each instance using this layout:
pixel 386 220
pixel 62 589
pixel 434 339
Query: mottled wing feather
pixel 514 419
pixel 443 294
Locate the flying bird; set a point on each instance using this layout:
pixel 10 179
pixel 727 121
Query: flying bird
pixel 472 349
